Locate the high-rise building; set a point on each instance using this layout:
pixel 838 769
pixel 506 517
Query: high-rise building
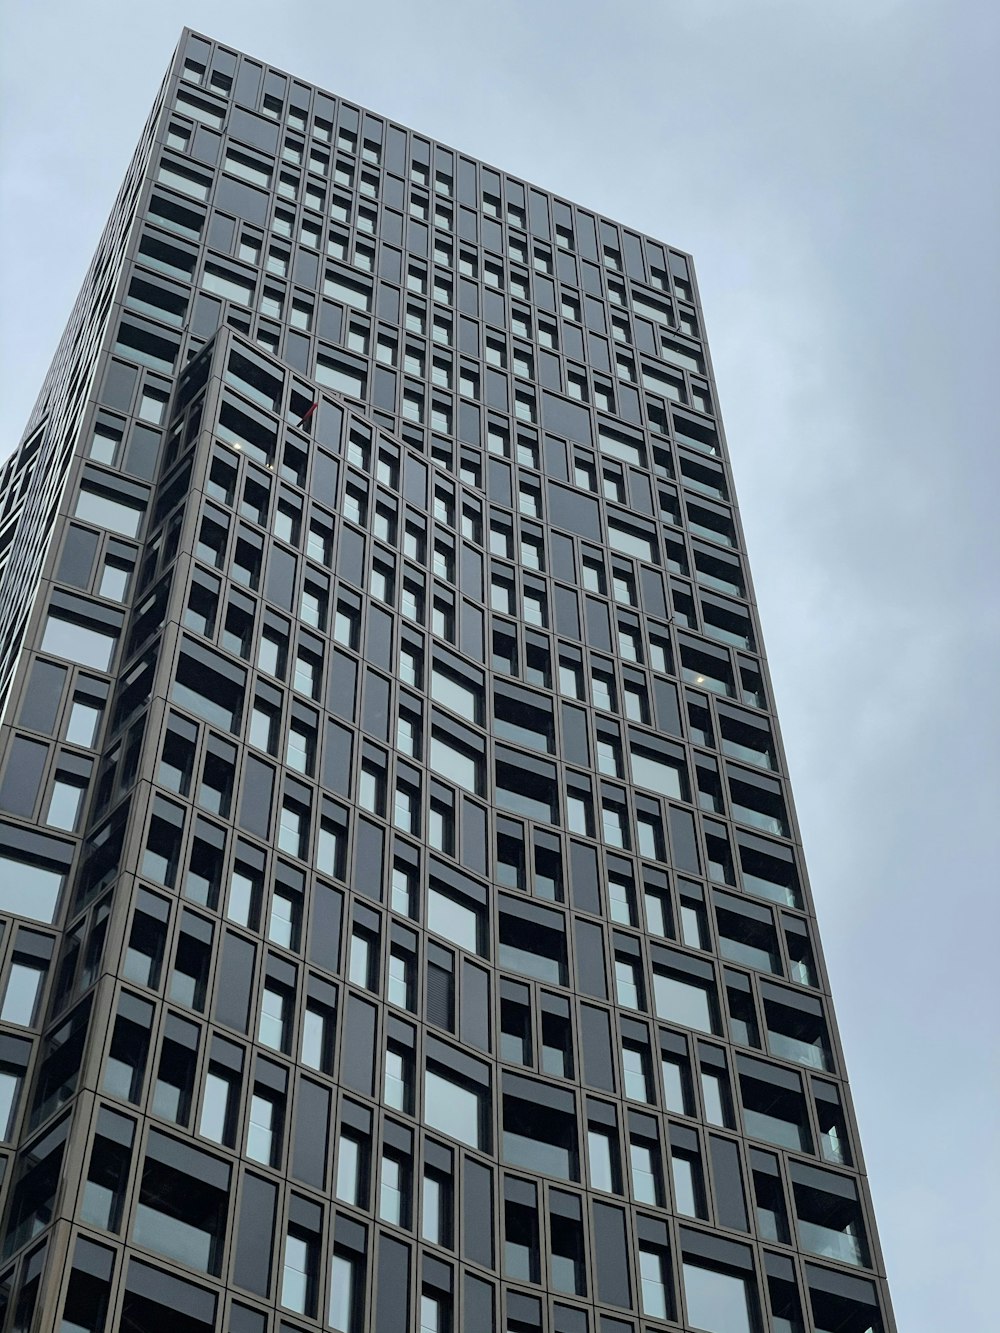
pixel 406 926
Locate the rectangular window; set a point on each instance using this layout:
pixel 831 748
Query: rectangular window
pixel 221 282
pixel 717 1300
pixel 643 1158
pixel 394 1191
pixel 182 1209
pixel 453 1108
pixel 24 985
pixel 298 1275
pixel 345 1294
pixel 398 1090
pixel 273 1027
pixel 455 763
pixel 247 168
pixel 679 1000
pixel 602 1154
pixel 654 1279
pixel 218 1106
pixel 263 1128
pixel 317 1037
pixel 457 922
pixel 352 1171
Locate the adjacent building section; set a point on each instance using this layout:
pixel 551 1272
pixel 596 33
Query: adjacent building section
pixel 405 926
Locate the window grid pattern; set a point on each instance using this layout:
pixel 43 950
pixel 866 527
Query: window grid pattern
pixel 464 797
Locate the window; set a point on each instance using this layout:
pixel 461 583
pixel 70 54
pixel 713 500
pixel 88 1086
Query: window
pixel 65 802
pixel 394 1191
pixel 300 746
pixel 352 1171
pixel 614 820
pixel 346 625
pixel 410 665
pixel 436 1216
pixel 688 1191
pixel 453 1108
pixel 834 1143
pixel 182 1204
pixel 796 1033
pixel 345 1293
pixel 627 983
pixel 539 1135
pixel 361 967
pixel 330 849
pixel 521 1239
pixel 78 641
pixel 408 733
pixel 745 938
pixel 515 1032
pixel 398 1091
pixel 110 1158
pixel 635 1062
pixel 293 828
pixel 283 924
pixel 403 891
pixel 434 1314
pixel 603 690
pixel 220 1099
pixel 24 985
pixel 27 889
pixel 717 1302
pixel 348 291
pixel 406 808
pixel 774 1111
pixel 650 833
pixel 454 762
pixel 229 285
pixel 692 917
pixel 401 986
pixel 456 921
pixel 682 1001
pixel 32 1200
pixel 570 679
pixel 11 1078
pixel 658 772
pixel 298 1275
pixel 828 1216
pixel 180 178
pixel 273 1026
pixel 317 1036
pixel 602 1155
pixel 533 945
pixel 643 1158
pixel 342 376
pixel 760 805
pixel 264 1128
pixel 654 1279
pixel 715 1095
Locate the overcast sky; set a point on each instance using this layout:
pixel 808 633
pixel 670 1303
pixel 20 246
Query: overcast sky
pixel 833 169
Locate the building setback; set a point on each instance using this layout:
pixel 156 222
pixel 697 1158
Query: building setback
pixel 406 926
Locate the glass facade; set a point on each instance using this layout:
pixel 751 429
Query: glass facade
pixel 404 920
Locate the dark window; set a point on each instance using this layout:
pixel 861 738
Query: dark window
pixel 107 1176
pixel 534 944
pixel 182 1208
pixel 539 1129
pixel 33 1196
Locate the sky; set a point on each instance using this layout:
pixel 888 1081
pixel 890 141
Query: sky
pixel 834 171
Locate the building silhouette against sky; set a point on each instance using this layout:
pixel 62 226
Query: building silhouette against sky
pixel 405 925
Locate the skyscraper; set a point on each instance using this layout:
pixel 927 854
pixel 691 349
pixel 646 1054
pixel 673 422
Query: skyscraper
pixel 406 926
